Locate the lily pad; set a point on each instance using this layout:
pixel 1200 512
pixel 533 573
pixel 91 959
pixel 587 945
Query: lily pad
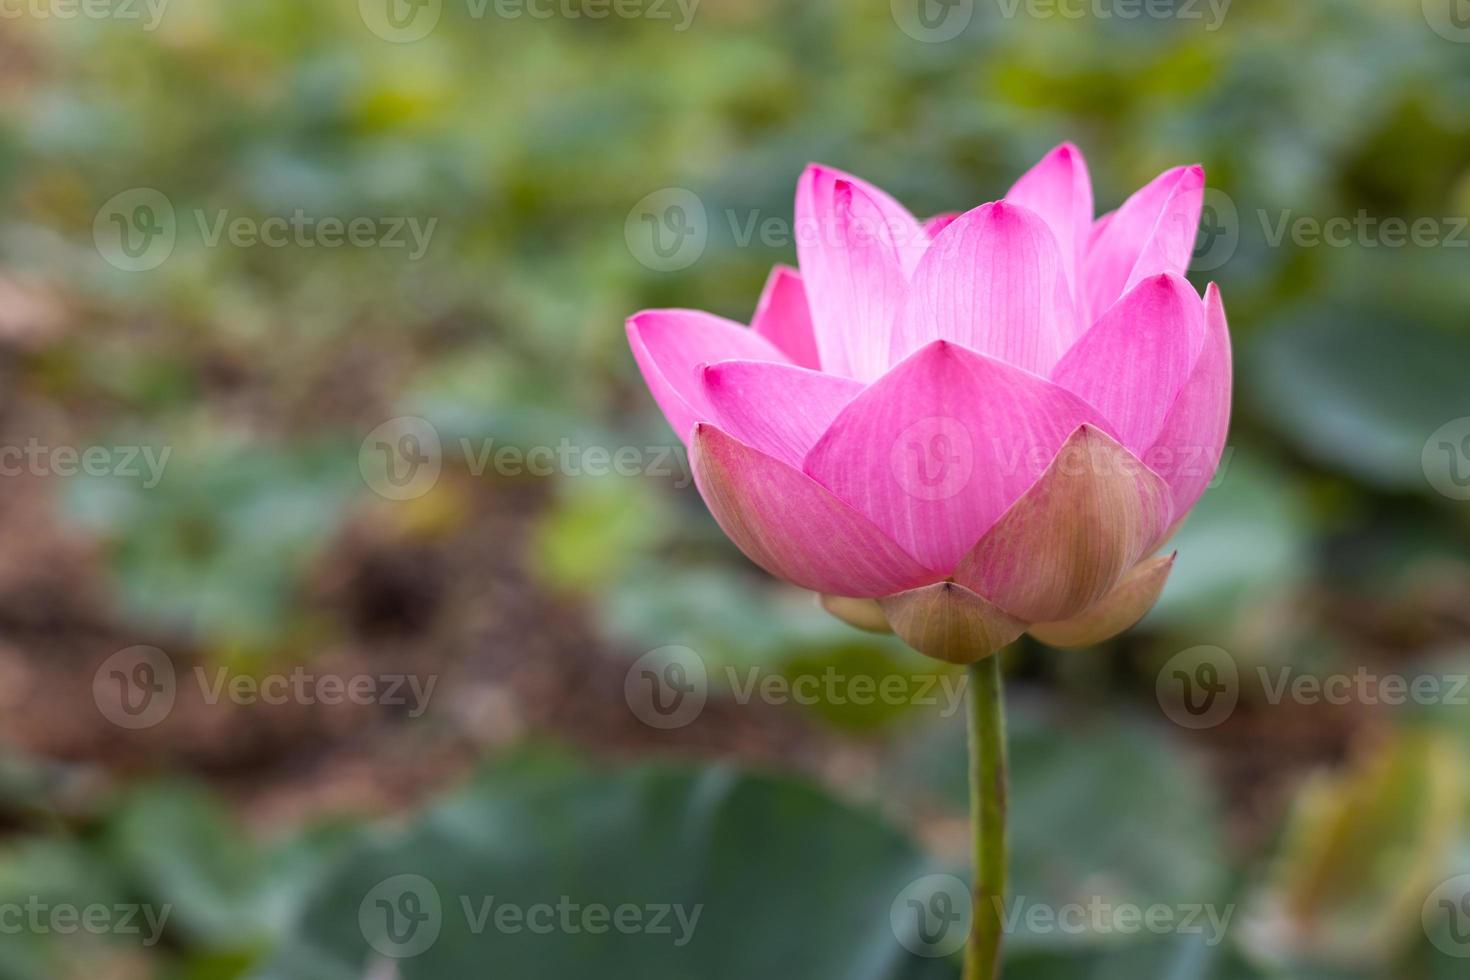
pixel 1359 393
pixel 541 869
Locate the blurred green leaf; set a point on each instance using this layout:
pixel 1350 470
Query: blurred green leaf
pixel 714 840
pixel 1359 392
pixel 1105 812
pixel 46 887
pixel 218 546
pixel 184 849
pixel 1246 541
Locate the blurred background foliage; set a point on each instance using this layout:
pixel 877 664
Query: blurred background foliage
pixel 1323 548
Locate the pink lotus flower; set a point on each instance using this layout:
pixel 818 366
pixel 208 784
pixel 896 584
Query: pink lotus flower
pixel 967 428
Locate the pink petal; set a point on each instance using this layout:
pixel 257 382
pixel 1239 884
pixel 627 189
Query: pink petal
pixel 1070 538
pixel 939 222
pixel 778 409
pixel 1133 363
pixel 1059 189
pixel 1188 449
pixel 670 345
pixel 792 527
pixel 855 245
pixel 992 281
pixel 1113 613
pixel 1099 228
pixel 1154 231
pixel 1171 246
pixel 938 448
pixel 783 317
pixel 949 622
pixel 902 228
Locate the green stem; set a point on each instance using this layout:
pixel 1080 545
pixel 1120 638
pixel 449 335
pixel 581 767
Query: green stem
pixel 988 791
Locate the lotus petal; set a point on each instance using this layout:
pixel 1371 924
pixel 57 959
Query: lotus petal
pixel 1059 190
pixel 1154 231
pixel 1115 612
pixel 671 346
pixel 855 245
pixel 783 317
pixel 1070 538
pixel 792 527
pixel 937 449
pixel 1133 363
pixel 992 281
pixel 949 622
pixel 777 408
pixel 1188 449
